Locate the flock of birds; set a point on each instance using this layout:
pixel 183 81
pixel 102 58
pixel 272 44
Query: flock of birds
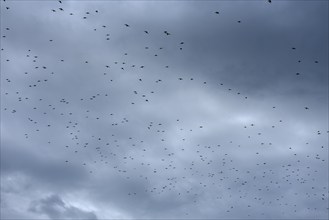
pixel 146 153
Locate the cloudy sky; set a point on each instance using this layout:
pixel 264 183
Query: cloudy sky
pixel 164 109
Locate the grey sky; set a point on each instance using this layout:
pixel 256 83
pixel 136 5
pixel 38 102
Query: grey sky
pixel 182 113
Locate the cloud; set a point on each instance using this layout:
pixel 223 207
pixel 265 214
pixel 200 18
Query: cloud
pixel 55 208
pixel 103 120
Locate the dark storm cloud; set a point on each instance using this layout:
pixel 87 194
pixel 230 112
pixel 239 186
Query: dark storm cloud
pixel 74 146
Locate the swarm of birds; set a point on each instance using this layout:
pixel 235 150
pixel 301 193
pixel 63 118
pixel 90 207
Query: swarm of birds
pixel 183 155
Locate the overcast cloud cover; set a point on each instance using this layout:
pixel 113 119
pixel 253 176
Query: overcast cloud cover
pixel 164 109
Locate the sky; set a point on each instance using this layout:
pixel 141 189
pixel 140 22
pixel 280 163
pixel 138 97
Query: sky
pixel 164 109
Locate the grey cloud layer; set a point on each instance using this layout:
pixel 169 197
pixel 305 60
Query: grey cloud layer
pixel 188 147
